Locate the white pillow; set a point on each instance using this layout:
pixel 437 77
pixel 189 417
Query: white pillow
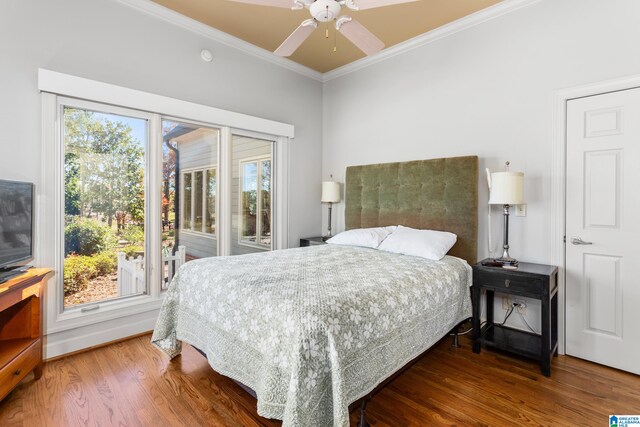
pixel 428 244
pixel 365 237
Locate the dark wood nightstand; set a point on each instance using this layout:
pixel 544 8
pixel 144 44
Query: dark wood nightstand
pixel 312 241
pixel 529 280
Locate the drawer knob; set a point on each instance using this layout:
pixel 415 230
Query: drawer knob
pixel 17 372
pixel 507 283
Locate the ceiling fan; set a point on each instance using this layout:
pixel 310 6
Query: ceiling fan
pixel 325 11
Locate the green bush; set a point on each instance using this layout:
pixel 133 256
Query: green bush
pixel 86 236
pixel 134 234
pixel 132 250
pixel 105 262
pixel 78 270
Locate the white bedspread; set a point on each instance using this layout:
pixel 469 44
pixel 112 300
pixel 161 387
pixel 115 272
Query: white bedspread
pixel 313 329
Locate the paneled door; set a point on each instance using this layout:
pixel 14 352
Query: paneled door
pixel 603 229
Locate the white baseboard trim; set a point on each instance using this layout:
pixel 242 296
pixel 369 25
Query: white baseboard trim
pixel 69 341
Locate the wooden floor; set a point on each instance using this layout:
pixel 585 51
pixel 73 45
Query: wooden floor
pixel 131 383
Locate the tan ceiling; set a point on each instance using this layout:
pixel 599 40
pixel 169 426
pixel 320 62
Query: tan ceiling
pixel 267 27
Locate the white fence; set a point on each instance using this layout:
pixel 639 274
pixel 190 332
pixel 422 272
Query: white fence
pixel 130 275
pixel 171 264
pixel 131 271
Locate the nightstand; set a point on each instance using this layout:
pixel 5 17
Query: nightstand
pixel 312 241
pixel 536 281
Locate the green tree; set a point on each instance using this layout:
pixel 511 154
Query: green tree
pixel 109 177
pixel 71 184
pixel 168 178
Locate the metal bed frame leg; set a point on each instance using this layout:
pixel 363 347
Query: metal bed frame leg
pixel 456 340
pixel 363 418
pixel 456 336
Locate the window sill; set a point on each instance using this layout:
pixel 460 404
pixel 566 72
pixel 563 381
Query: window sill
pixel 107 310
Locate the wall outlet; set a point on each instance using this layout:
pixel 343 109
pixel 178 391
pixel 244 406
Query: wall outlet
pixel 521 306
pixel 521 210
pixel 506 303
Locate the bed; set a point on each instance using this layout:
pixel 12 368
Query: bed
pixel 312 330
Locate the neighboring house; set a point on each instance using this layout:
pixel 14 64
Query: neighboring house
pixel 251 198
pixel 196 166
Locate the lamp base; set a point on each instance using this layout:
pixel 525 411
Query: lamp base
pixel 507 261
pixel 327 237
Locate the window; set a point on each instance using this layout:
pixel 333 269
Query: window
pixel 119 173
pixel 255 199
pixel 104 205
pixel 199 201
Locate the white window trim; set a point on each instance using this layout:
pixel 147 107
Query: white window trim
pixel 81 88
pixel 241 162
pixel 59 318
pixel 205 170
pixel 49 196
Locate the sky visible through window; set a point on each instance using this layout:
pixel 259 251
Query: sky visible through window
pixel 138 126
pixel 250 179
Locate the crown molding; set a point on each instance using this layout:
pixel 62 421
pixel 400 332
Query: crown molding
pixel 446 30
pixel 175 18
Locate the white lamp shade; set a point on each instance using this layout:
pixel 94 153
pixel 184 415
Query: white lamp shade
pixel 507 188
pixel 330 192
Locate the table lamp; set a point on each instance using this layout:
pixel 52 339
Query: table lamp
pixel 507 189
pixel 331 195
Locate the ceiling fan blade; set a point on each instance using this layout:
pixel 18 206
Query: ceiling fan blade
pixel 370 4
pixel 296 38
pixel 287 4
pixel 359 35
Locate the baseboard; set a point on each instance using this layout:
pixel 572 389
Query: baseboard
pixel 62 356
pixel 98 334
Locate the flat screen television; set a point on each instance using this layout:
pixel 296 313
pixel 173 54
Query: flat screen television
pixel 16 223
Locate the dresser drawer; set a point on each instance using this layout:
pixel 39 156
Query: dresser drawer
pixel 512 283
pixel 13 372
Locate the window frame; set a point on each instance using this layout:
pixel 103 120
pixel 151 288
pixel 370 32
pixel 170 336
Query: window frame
pixel 258 160
pixel 205 173
pixel 60 317
pixel 116 319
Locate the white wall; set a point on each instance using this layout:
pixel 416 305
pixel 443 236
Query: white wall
pixel 107 41
pixel 488 90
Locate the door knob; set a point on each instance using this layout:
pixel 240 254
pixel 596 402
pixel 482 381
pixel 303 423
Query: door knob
pixel 579 241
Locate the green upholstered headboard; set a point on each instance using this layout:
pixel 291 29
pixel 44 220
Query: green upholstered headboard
pixel 438 194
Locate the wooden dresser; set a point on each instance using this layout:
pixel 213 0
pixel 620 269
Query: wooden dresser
pixel 21 328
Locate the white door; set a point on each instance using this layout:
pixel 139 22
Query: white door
pixel 603 229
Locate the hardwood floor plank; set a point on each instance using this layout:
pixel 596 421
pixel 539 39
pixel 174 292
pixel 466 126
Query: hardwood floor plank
pixel 148 383
pixel 132 383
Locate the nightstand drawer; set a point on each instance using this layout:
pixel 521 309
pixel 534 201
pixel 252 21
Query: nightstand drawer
pixel 502 280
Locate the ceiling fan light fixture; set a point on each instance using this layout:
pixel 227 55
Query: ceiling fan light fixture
pixel 325 10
